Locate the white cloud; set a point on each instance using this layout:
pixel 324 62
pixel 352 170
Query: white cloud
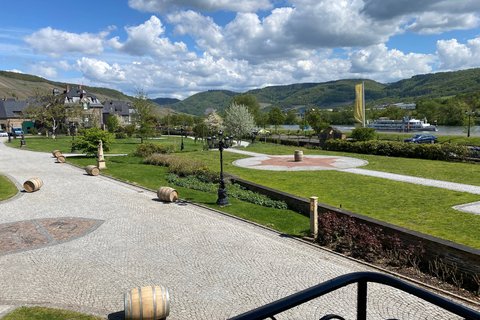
pixel 454 55
pixel 426 16
pixel 162 6
pixel 379 63
pixel 434 23
pixel 145 39
pixel 101 71
pixel 207 33
pixel 42 69
pixel 56 42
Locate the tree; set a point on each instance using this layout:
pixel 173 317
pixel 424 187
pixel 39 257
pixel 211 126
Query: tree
pixel 49 111
pixel 113 123
pixel 143 116
pixel 214 123
pixel 276 117
pixel 316 120
pixel 88 142
pixel 291 117
pixel 238 120
pixel 250 101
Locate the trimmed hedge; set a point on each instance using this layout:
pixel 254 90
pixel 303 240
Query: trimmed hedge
pixel 445 151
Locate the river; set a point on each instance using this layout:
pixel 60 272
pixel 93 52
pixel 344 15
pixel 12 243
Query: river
pixel 442 130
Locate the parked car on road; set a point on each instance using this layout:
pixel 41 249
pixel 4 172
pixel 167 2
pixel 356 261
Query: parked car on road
pixel 422 138
pixel 17 131
pixel 3 133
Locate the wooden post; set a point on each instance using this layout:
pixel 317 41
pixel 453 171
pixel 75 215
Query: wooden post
pixel 314 217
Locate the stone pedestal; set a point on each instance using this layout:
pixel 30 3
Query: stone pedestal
pixel 314 217
pixel 100 159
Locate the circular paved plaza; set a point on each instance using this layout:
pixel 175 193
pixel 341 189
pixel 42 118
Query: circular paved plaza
pixel 309 162
pixel 98 238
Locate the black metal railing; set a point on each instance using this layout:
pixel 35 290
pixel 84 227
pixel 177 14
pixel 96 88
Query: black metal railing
pixel 361 279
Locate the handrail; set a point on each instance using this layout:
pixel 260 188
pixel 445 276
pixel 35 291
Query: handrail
pixel 362 278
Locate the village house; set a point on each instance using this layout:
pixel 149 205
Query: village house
pixel 11 115
pixel 118 108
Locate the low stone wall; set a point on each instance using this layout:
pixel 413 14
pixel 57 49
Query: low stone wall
pixel 465 260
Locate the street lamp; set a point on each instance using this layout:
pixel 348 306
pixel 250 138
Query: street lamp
pixel 182 131
pixel 469 114
pixel 223 143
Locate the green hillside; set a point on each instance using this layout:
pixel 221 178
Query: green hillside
pixel 22 86
pixel 198 103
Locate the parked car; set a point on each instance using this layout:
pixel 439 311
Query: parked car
pixel 3 133
pixel 17 131
pixel 422 138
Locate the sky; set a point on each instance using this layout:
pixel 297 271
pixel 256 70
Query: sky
pixel 168 48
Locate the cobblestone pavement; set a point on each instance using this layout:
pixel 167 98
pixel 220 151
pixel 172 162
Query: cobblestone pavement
pixel 215 266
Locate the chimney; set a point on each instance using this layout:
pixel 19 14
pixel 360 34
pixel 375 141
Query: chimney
pixel 68 88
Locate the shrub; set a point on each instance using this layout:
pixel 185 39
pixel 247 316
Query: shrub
pixel 234 191
pixel 120 135
pixel 146 149
pixel 89 140
pixel 183 167
pixel 364 134
pixel 445 151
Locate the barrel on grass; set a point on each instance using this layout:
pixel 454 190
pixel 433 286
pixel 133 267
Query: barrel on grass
pixel 92 170
pixel 298 155
pixel 33 184
pixel 167 194
pixel 147 303
pixel 56 153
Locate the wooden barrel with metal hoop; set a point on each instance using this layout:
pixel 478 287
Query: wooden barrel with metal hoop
pixel 92 170
pixel 56 153
pixel 61 158
pixel 147 303
pixel 32 184
pixel 298 155
pixel 167 194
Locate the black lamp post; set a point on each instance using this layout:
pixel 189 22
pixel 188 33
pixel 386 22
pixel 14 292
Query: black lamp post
pixel 469 114
pixel 223 143
pixel 182 132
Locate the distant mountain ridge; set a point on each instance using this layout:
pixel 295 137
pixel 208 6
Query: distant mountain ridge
pixel 331 94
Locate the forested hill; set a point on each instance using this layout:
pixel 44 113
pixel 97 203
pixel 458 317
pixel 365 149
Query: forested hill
pixel 340 93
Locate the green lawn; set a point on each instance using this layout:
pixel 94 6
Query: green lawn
pixel 424 209
pixel 40 313
pixel 7 188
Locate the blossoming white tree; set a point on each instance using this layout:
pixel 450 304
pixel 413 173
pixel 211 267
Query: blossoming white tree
pixel 239 121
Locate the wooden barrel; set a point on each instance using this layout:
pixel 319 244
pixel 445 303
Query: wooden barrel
pixel 56 153
pixel 92 170
pixel 147 303
pixel 298 156
pixel 61 158
pixel 167 194
pixel 33 184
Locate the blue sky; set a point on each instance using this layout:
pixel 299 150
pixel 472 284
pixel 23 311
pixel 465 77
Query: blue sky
pixel 172 48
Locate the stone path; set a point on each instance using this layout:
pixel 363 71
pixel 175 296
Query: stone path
pixel 215 266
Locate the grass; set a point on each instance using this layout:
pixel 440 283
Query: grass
pixel 7 188
pixel 420 208
pixel 41 313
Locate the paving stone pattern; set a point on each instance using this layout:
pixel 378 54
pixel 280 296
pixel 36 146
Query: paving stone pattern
pixel 214 266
